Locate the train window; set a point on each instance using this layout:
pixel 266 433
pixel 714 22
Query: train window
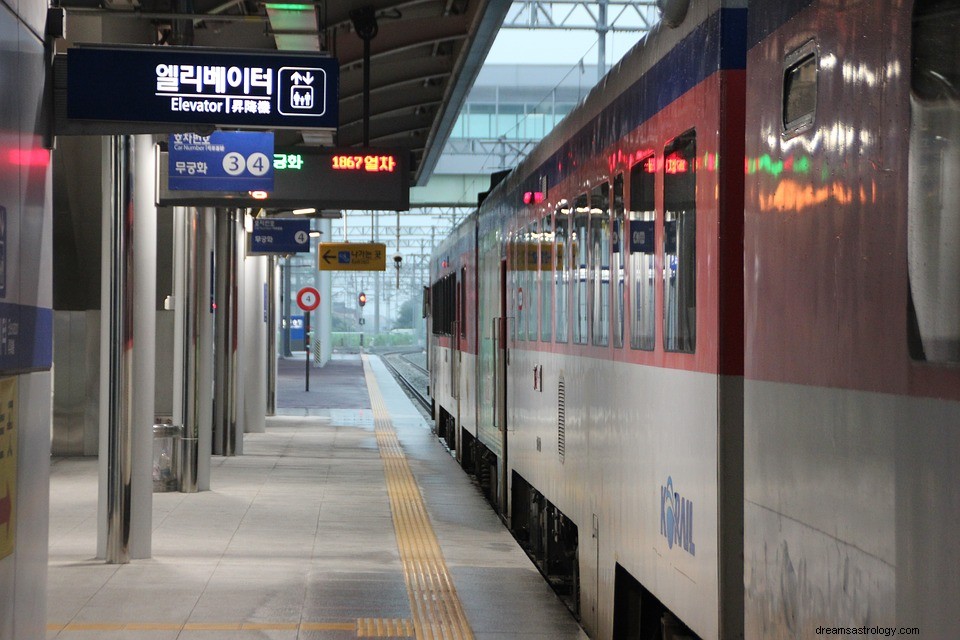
pixel 520 274
pixel 546 279
pixel 578 262
pixel 531 297
pixel 933 184
pixel 799 89
pixel 679 244
pixel 561 288
pixel 513 275
pixel 599 284
pixel 616 264
pixel 463 302
pixel 642 234
pixel 443 305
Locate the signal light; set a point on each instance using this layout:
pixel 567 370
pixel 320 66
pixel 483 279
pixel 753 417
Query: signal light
pixel 362 298
pixel 533 197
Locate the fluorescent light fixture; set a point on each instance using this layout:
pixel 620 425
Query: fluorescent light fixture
pixel 304 212
pixel 289 6
pixel 315 234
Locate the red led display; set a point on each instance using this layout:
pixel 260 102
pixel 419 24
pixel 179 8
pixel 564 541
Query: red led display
pixel 371 164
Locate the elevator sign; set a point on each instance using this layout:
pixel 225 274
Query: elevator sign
pixel 200 86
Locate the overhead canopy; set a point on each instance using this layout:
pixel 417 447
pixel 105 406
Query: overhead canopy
pixel 424 56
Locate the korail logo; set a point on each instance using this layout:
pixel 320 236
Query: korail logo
pixel 676 519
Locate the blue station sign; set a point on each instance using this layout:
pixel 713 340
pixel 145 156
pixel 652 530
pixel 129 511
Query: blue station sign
pixel 279 236
pixel 201 86
pixel 222 161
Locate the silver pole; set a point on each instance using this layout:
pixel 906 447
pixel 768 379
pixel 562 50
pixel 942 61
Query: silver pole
pixel 120 318
pixel 225 396
pixel 194 306
pixel 602 28
pixel 272 336
pixel 287 304
pixel 376 280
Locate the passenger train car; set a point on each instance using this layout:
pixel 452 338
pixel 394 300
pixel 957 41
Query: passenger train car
pixel 702 347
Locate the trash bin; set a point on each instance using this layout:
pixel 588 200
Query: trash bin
pixel 166 457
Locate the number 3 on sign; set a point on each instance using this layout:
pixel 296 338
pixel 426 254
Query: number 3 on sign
pixel 234 164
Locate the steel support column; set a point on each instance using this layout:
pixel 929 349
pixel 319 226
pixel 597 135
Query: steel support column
pixel 225 332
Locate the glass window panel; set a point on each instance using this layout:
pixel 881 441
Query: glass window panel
pixel 641 236
pixel 531 299
pixel 546 280
pixel 679 244
pixel 561 282
pixel 800 90
pixel 617 263
pixel 933 184
pixel 578 263
pixel 519 275
pixel 599 294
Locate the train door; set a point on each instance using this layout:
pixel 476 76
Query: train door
pixel 501 355
pixel 453 428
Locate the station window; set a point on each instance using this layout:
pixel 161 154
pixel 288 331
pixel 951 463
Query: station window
pixel 561 287
pixel 617 263
pixel 800 89
pixel 599 274
pixel 641 238
pixel 680 244
pixel 546 279
pixel 578 262
pixel 933 183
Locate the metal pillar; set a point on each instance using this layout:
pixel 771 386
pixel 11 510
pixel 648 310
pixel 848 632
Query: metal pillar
pixel 193 342
pixel 272 336
pixel 602 28
pixel 129 256
pixel 225 332
pixel 326 302
pixel 376 280
pixel 285 295
pixel 253 345
pixel 117 314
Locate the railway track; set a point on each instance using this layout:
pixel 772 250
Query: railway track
pixel 413 389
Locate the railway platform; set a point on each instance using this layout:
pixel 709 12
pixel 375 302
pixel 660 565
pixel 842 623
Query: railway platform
pixel 347 518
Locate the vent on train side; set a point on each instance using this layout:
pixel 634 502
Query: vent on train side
pixel 561 419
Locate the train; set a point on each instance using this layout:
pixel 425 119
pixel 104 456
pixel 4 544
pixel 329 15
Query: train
pixel 701 347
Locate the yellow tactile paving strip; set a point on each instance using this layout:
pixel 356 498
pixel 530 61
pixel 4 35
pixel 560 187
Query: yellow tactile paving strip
pixel 436 608
pixel 364 627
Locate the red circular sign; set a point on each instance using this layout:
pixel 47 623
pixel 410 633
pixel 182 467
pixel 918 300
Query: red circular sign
pixel 308 299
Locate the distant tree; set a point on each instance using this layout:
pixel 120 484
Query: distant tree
pixel 405 315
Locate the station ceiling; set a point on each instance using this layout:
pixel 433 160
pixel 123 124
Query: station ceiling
pixel 424 57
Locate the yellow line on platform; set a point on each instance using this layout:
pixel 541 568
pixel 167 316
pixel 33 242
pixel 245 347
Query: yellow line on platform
pixel 437 611
pixel 364 627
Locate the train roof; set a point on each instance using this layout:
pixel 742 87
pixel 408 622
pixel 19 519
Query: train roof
pixel 694 36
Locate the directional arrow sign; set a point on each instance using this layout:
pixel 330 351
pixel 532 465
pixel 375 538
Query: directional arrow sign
pixel 352 256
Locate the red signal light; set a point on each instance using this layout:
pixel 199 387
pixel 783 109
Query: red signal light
pixel 533 197
pixel 362 298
